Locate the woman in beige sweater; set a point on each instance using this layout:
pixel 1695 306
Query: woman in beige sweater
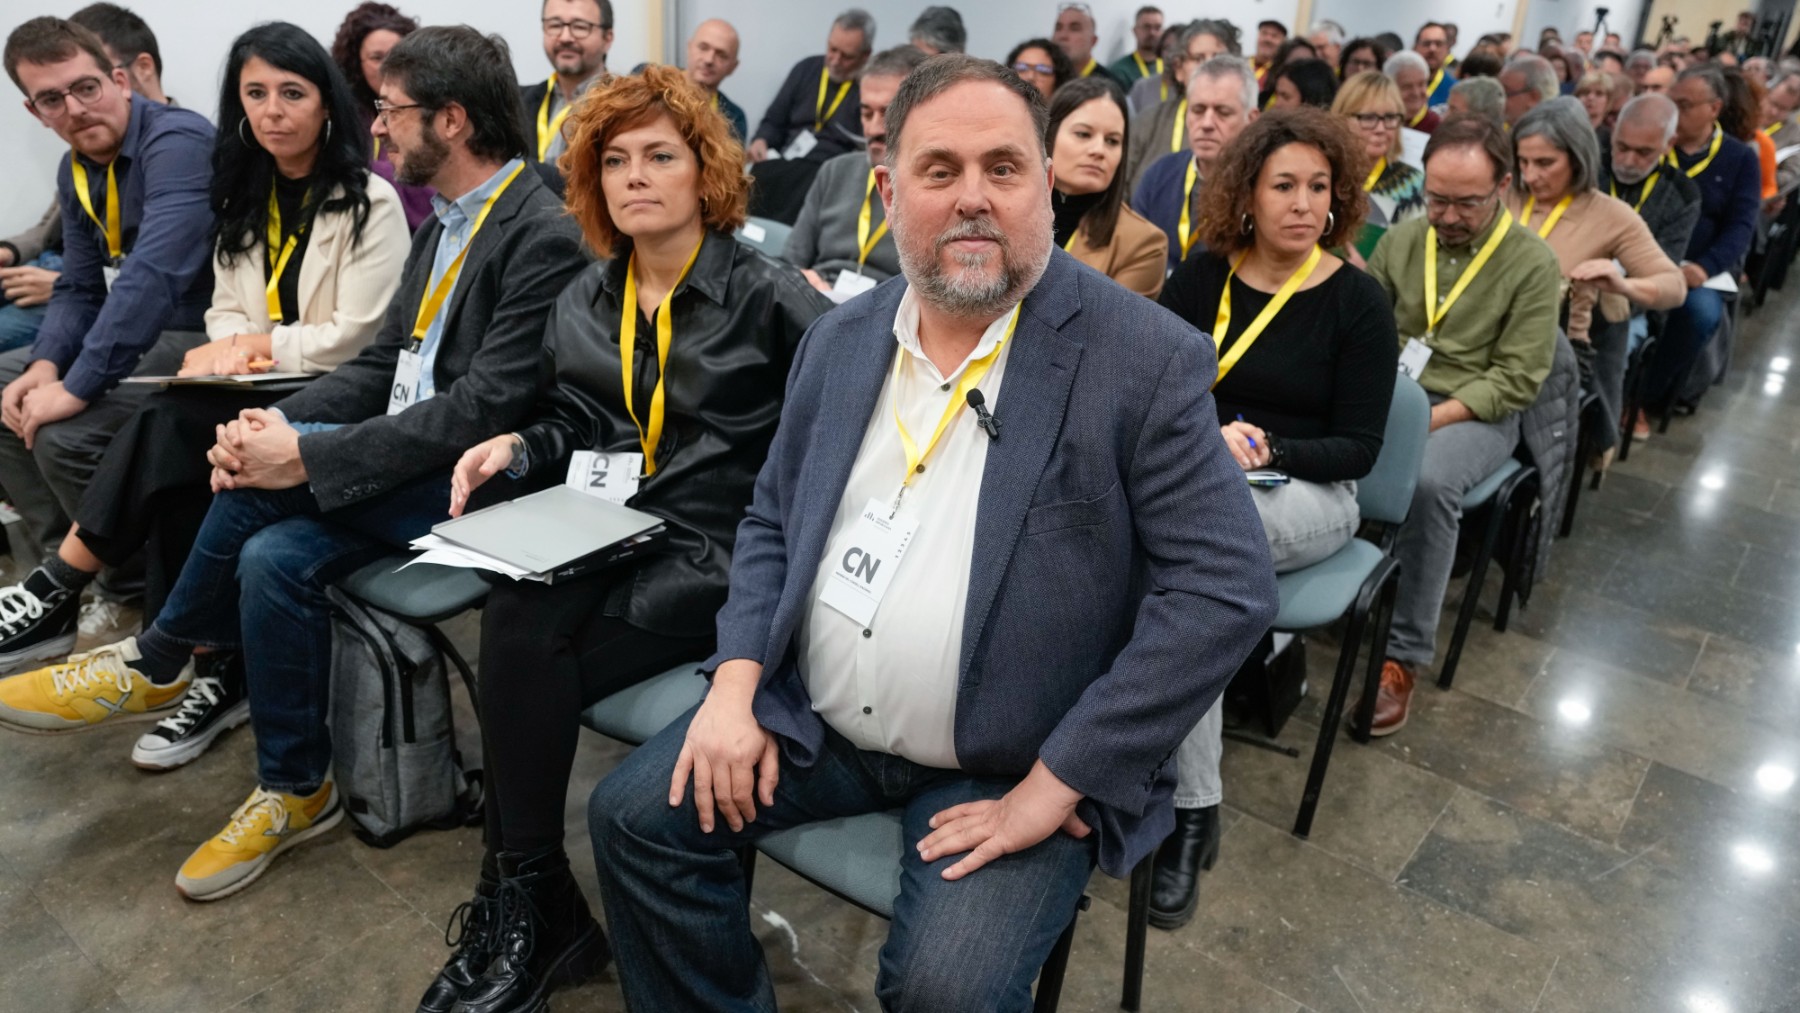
pixel 1610 261
pixel 1086 135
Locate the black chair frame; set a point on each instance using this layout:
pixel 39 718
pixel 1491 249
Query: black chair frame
pixel 1509 515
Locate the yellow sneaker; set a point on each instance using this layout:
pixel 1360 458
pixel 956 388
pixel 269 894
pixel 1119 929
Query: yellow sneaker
pixel 88 689
pixel 267 824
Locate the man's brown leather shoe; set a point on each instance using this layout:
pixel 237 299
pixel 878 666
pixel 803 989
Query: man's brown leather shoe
pixel 1394 698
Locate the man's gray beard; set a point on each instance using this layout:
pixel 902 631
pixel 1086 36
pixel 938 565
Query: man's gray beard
pixel 960 298
pixel 1619 175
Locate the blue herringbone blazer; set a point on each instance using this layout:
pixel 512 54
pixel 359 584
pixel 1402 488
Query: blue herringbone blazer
pixel 1120 573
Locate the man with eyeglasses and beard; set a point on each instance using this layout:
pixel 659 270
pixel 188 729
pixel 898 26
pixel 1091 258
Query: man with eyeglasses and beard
pixel 577 36
pixel 1475 299
pixel 136 277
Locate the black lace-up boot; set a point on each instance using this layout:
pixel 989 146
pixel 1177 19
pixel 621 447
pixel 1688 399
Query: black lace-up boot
pixel 472 934
pixel 546 938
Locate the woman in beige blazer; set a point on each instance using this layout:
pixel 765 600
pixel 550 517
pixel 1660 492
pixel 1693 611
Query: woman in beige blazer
pixel 1086 136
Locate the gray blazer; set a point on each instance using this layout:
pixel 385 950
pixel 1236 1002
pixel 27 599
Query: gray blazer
pixel 487 369
pixel 1120 572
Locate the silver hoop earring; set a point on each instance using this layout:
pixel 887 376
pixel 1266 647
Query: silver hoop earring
pixel 1247 225
pixel 327 131
pixel 240 132
pixel 1330 222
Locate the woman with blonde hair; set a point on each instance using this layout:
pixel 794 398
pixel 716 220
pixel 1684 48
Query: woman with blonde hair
pixel 1595 93
pixel 670 358
pixel 1371 103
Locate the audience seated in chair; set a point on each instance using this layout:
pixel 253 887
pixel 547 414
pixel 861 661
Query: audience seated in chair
pixel 1145 61
pixel 1018 759
pixel 1480 342
pixel 135 280
pixel 1160 128
pixel 1636 171
pixel 1412 76
pixel 1306 393
pixel 1530 81
pixel 363 40
pixel 1730 180
pixel 29 263
pixel 1221 99
pixel 1087 137
pixel 841 238
pixel 1166 83
pixel 332 250
pixel 1371 105
pixel 577 36
pixel 550 651
pixel 1076 36
pixel 811 120
pixel 357 463
pixel 1432 42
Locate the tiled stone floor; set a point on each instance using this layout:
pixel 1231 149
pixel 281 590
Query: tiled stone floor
pixel 1601 816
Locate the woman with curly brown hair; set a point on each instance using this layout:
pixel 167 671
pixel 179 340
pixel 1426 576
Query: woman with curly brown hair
pixel 1307 351
pixel 670 358
pixel 363 41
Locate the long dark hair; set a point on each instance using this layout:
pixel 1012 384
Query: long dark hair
pixel 243 171
pixel 1104 217
pixel 346 50
pixel 1313 79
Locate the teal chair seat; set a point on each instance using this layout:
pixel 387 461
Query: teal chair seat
pixel 1323 592
pixel 765 235
pixel 422 593
pixel 855 857
pixel 634 714
pixel 1485 489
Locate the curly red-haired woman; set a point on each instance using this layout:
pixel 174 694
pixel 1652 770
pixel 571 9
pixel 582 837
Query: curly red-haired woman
pixel 656 182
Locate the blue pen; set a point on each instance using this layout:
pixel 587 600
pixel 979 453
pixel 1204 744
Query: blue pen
pixel 1241 419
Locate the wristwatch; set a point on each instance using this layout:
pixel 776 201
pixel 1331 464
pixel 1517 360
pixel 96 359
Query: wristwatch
pixel 1277 456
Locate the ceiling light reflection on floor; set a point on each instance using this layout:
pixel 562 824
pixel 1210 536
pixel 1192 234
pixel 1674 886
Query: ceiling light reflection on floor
pixel 1574 711
pixel 1707 1002
pixel 1713 480
pixel 1779 364
pixel 1774 778
pixel 1753 857
pixel 1773 385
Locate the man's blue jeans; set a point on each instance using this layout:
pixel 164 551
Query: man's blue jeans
pixel 256 579
pixel 1691 325
pixel 680 920
pixel 19 324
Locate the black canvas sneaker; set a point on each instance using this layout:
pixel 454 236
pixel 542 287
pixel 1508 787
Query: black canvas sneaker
pixel 36 624
pixel 215 704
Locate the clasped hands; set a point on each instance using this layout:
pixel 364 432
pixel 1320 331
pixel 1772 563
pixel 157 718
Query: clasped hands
pixel 734 764
pixel 257 450
pixel 36 399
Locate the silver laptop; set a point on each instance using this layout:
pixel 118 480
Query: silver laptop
pixel 547 529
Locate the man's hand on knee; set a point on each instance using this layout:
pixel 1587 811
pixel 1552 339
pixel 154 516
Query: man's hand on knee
pixel 1022 818
pixel 732 759
pixel 12 400
pixel 44 404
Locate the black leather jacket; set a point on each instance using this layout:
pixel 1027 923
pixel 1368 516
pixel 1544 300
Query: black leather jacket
pixel 737 320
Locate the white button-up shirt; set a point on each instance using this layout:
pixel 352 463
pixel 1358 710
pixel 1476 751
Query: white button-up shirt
pixel 892 687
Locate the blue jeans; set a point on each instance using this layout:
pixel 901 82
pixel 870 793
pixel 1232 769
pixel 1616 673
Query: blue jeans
pixel 19 324
pixel 1691 325
pixel 256 579
pixel 680 920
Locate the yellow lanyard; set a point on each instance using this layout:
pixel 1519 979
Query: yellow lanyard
pixel 1420 115
pixel 1431 89
pixel 1223 322
pixel 115 244
pixel 1712 153
pixel 1773 128
pixel 820 113
pixel 1092 65
pixel 1165 82
pixel 1144 70
pixel 1375 175
pixel 428 310
pixel 1175 135
pixel 865 241
pixel 278 256
pixel 1184 231
pixel 548 128
pixel 665 336
pixel 375 152
pixel 972 376
pixel 1550 220
pixel 1435 313
pixel 1070 245
pixel 1649 185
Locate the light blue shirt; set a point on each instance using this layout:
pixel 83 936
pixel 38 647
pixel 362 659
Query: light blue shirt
pixel 458 218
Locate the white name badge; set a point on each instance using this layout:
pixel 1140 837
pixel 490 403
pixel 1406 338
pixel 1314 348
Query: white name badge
pixel 864 560
pixel 612 477
pixel 405 392
pixel 849 285
pixel 1414 357
pixel 110 274
pixel 801 146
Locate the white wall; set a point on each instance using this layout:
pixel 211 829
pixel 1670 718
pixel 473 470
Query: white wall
pixel 195 36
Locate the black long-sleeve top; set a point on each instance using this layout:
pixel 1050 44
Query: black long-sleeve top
pixel 1321 376
pixel 795 108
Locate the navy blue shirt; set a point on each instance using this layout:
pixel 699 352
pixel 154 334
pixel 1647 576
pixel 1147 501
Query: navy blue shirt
pixel 796 108
pixel 95 338
pixel 1730 200
pixel 1158 198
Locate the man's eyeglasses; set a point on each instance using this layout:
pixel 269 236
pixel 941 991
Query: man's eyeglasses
pixel 382 109
pixel 577 29
pixel 54 103
pixel 1462 205
pixel 1370 121
pixel 1022 67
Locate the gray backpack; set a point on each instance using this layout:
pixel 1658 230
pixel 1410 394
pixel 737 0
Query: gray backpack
pixel 393 733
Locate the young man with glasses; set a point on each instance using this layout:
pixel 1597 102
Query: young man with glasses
pixel 1475 298
pixel 136 276
pixel 577 36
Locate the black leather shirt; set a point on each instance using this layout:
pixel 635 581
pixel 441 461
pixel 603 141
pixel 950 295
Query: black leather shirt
pixel 737 321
